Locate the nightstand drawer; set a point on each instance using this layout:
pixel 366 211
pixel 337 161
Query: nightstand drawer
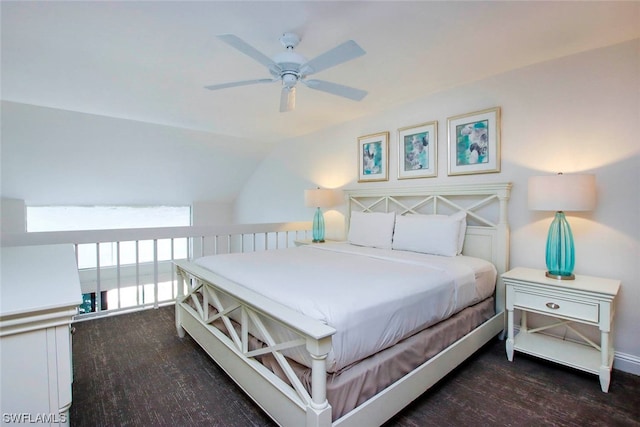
pixel 554 306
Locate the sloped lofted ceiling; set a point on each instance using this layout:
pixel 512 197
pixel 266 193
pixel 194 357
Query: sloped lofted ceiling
pixel 149 61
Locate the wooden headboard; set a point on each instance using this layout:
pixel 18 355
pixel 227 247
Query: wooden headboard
pixel 487 233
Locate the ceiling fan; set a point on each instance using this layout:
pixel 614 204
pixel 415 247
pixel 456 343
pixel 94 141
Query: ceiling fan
pixel 290 67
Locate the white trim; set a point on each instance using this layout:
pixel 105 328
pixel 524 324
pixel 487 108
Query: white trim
pixel 626 362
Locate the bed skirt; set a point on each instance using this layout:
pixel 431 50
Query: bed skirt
pixel 358 382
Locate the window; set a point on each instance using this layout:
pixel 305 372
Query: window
pixel 132 283
pixel 67 218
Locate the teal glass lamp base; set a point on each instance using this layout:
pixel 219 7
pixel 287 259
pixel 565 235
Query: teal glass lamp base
pixel 560 253
pixel 318 227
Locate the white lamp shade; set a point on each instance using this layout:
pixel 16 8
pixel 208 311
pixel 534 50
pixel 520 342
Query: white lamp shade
pixel 319 198
pixel 562 192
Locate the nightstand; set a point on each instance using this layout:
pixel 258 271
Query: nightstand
pixel 586 300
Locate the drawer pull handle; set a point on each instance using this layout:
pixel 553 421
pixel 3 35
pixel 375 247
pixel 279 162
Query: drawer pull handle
pixel 553 305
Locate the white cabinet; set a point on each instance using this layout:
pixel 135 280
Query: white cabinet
pixel 586 300
pixel 39 295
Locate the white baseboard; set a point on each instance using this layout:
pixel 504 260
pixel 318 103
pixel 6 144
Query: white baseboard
pixel 626 363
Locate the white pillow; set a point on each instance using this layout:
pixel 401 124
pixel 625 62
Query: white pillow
pixel 461 217
pixel 373 229
pixel 430 234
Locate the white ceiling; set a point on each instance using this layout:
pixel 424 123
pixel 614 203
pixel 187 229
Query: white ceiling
pixel 149 60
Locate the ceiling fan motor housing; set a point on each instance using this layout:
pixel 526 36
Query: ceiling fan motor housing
pixel 289 63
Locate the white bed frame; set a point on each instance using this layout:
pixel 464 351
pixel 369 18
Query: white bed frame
pixel 487 237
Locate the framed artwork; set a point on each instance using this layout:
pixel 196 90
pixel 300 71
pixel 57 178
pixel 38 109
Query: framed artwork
pixel 474 142
pixel 373 157
pixel 417 151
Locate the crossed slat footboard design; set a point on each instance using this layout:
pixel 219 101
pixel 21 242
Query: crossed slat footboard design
pixel 199 290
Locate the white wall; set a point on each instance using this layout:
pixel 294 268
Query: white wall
pixel 12 216
pixel 58 157
pixel 573 114
pixel 207 212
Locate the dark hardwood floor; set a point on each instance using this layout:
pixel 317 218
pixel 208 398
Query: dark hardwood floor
pixel 133 370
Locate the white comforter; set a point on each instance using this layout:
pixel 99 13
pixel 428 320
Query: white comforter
pixel 372 297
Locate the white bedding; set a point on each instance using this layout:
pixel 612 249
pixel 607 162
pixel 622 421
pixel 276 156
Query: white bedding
pixel 372 297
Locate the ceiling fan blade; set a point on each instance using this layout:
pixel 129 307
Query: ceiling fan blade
pixel 287 99
pixel 240 83
pixel 336 89
pixel 342 53
pixel 247 49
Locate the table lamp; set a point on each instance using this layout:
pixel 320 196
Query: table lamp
pixel 561 193
pixel 318 198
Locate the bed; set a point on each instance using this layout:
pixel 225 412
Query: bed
pixel 349 333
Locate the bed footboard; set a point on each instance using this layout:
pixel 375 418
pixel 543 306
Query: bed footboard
pixel 287 403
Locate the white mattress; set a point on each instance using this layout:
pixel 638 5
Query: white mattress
pixel 372 297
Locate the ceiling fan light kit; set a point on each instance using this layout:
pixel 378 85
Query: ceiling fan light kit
pixel 289 67
pixel 289 79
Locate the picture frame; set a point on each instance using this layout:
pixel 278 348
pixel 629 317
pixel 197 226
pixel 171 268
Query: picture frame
pixel 373 157
pixel 474 142
pixel 418 151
